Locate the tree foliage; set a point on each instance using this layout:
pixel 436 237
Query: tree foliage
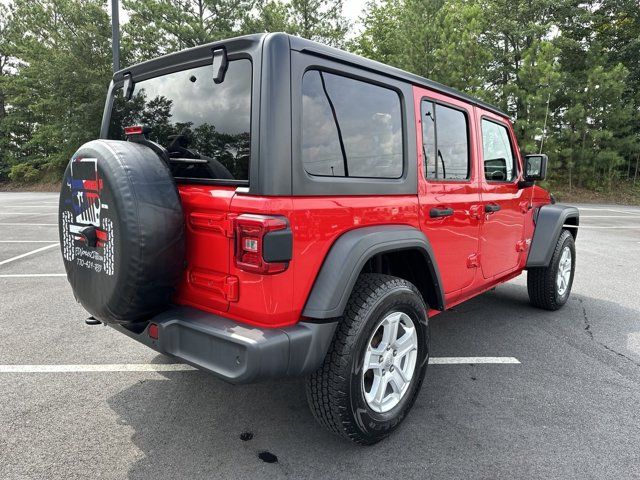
pixel 55 90
pixel 567 72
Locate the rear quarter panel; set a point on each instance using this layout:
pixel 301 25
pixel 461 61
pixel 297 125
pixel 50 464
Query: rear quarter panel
pixel 316 223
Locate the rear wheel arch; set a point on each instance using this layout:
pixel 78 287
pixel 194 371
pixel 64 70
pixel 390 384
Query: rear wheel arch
pixel 398 250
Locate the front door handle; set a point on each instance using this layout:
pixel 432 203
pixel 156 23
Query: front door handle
pixel 491 207
pixel 440 212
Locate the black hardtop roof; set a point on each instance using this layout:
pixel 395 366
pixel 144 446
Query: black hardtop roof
pixel 306 46
pixel 315 48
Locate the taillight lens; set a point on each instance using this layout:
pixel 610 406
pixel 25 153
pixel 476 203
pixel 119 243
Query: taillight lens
pixel 250 231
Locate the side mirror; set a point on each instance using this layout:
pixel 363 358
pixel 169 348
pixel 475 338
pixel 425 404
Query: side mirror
pixel 535 169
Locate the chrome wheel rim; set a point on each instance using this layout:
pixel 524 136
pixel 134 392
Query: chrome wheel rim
pixel 564 271
pixel 389 362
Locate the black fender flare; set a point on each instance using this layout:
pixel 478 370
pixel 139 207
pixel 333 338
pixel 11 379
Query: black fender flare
pixel 549 221
pixel 347 257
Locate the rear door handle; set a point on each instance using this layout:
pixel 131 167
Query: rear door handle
pixel 440 212
pixel 491 207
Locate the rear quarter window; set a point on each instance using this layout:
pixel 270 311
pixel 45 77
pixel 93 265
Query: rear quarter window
pixel 350 128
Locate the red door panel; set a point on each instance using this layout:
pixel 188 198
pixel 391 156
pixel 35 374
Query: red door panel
pixel 504 207
pixel 454 236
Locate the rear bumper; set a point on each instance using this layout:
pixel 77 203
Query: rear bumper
pixel 235 352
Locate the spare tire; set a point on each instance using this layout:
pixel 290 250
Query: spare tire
pixel 121 231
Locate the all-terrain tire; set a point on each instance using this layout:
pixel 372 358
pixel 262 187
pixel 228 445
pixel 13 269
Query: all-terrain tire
pixel 542 282
pixel 336 392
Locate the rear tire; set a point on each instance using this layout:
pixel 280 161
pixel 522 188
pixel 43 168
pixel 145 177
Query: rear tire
pixel 365 354
pixel 549 287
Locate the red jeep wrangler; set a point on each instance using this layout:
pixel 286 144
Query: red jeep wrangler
pixel 280 208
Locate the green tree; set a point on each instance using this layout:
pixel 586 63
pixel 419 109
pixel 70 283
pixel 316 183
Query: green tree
pixel 272 16
pixel 5 71
pixel 438 40
pixel 56 94
pixel 319 20
pixel 596 123
pixel 157 27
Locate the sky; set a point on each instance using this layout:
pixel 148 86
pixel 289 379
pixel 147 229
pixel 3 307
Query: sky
pixel 353 8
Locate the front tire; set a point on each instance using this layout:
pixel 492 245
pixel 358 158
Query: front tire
pixel 549 287
pixel 376 363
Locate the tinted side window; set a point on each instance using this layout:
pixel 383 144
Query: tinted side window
pixel 445 142
pixel 350 128
pixel 497 152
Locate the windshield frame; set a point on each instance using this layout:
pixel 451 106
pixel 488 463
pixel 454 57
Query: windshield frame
pixel 248 47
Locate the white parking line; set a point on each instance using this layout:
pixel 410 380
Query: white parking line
pixel 114 367
pixel 29 275
pixel 28 213
pixel 29 206
pixel 624 227
pixel 13 259
pixel 616 210
pixel 180 367
pixel 28 241
pixel 604 216
pixel 470 360
pixel 29 224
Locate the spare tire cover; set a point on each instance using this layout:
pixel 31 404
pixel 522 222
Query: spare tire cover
pixel 121 230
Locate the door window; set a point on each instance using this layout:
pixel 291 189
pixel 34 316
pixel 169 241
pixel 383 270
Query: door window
pixel 350 128
pixel 499 164
pixel 445 142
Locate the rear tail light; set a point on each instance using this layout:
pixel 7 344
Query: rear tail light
pixel 251 237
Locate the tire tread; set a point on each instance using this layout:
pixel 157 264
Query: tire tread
pixel 326 388
pixel 541 281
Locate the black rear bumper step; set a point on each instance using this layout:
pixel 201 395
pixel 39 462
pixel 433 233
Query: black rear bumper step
pixel 236 352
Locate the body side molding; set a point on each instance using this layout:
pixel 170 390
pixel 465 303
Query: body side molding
pixel 549 222
pixel 350 252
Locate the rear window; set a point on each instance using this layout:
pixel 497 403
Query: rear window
pixel 350 128
pixel 204 126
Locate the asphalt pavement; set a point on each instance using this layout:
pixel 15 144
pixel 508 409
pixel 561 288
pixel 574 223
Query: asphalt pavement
pixel 569 409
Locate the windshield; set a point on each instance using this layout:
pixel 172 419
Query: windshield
pixel 204 126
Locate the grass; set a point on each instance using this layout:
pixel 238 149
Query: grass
pixel 29 187
pixel 624 193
